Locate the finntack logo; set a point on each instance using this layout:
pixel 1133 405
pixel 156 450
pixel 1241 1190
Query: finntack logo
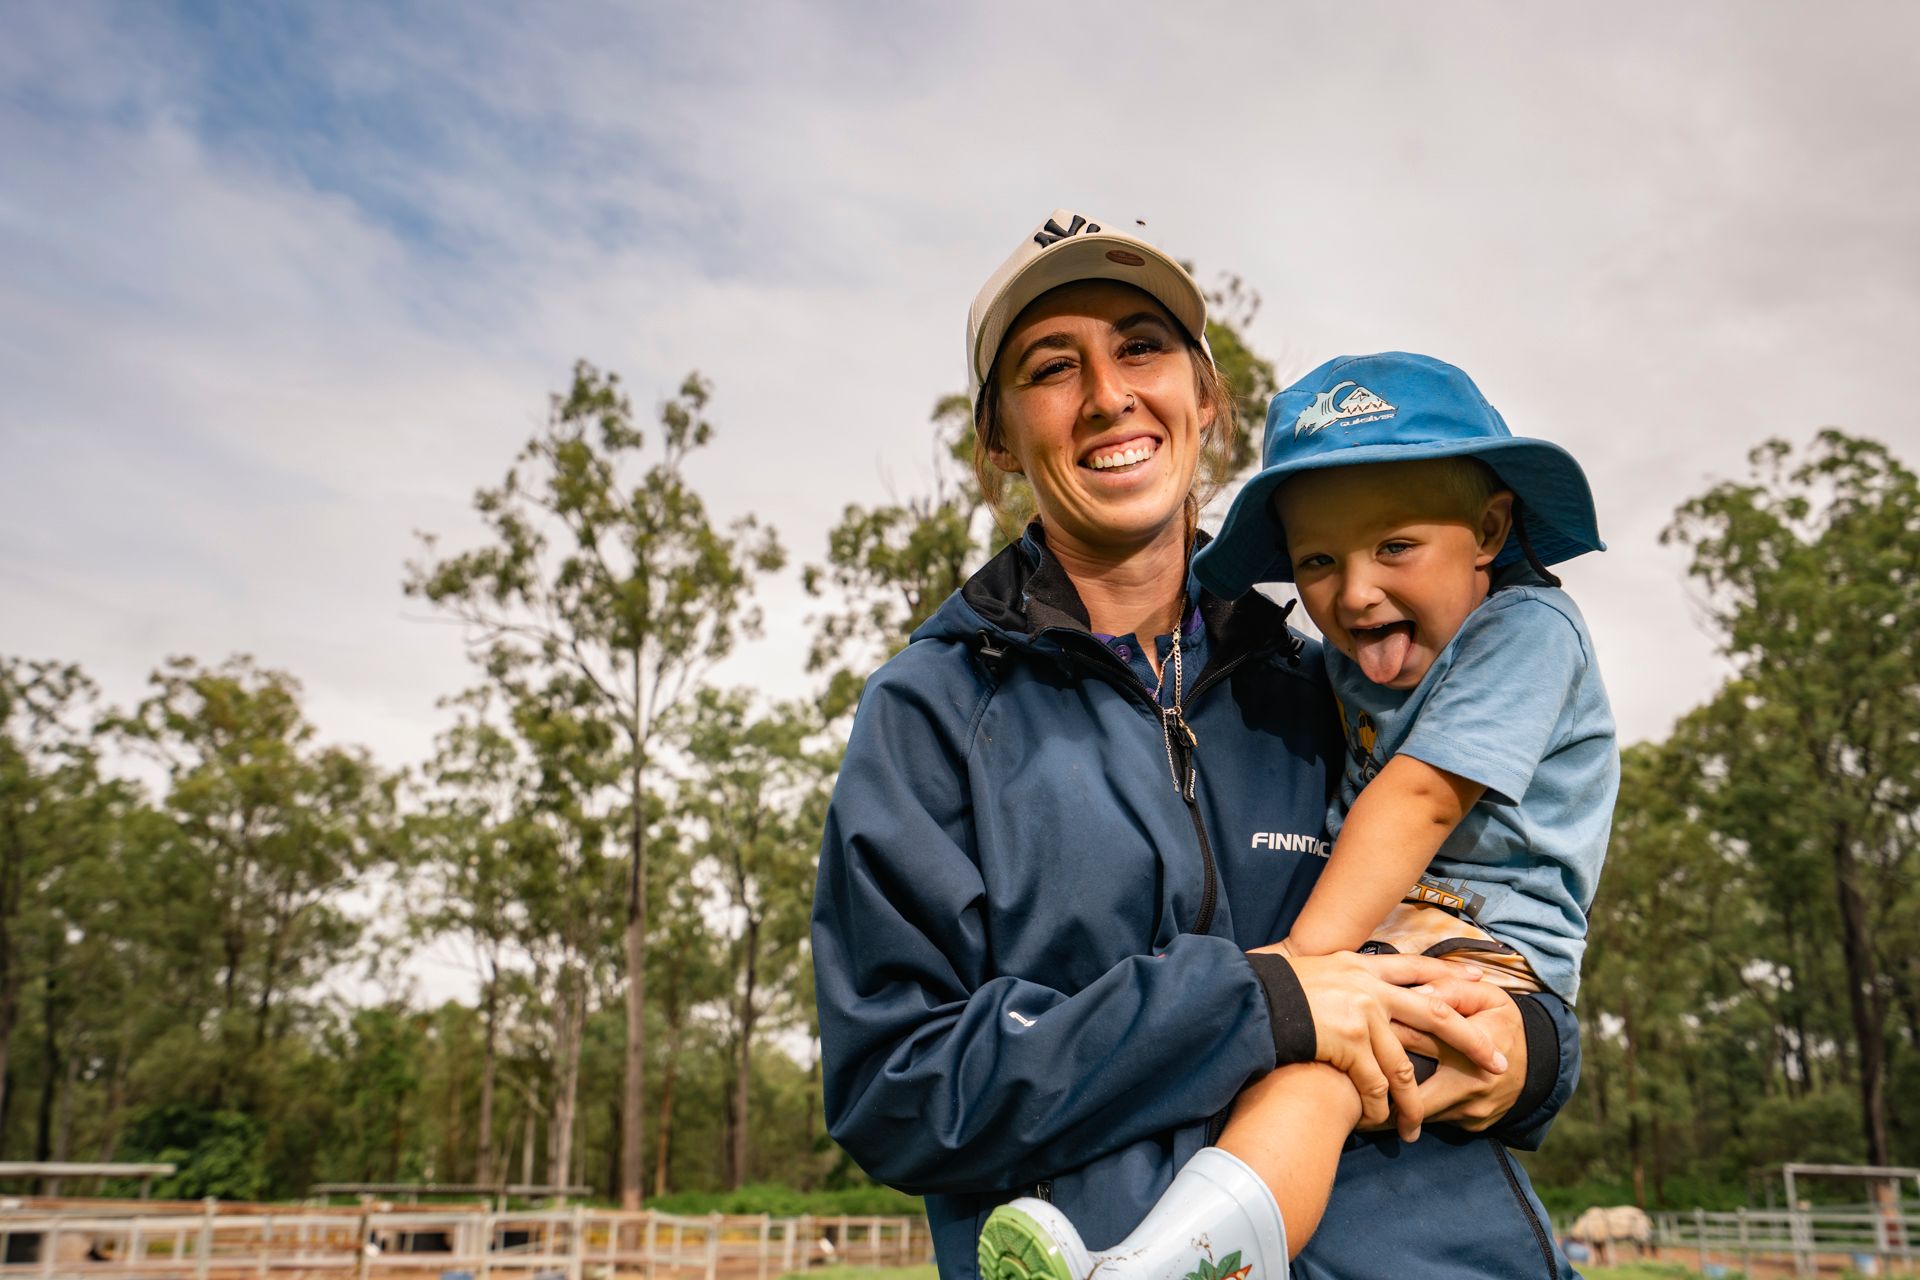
pixel 1291 842
pixel 1323 413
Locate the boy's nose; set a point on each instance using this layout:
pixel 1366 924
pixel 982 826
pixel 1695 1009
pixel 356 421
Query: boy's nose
pixel 1358 592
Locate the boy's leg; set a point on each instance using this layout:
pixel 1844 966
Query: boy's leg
pixel 1289 1128
pixel 1238 1211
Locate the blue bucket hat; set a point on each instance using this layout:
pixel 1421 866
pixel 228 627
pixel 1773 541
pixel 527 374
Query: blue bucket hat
pixel 1396 407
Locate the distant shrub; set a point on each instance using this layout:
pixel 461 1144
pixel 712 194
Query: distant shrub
pixel 783 1201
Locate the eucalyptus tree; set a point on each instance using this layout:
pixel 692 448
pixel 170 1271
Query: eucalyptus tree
pixel 1811 571
pixel 273 829
pixel 753 793
pixel 49 769
pixel 605 565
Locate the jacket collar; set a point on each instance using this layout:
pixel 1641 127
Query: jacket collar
pixel 1023 593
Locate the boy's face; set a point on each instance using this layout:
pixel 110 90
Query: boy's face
pixel 1388 567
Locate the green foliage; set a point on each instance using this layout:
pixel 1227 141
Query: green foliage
pixel 1751 984
pixel 783 1201
pixel 219 1153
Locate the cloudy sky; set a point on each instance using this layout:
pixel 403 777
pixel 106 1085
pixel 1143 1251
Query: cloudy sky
pixel 281 284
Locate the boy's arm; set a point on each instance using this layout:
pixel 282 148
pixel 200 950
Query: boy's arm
pixel 1290 1127
pixel 1396 825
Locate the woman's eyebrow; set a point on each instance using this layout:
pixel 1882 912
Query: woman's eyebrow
pixel 1057 341
pixel 1061 341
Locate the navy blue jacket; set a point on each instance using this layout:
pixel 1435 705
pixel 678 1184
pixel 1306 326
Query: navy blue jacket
pixel 1031 925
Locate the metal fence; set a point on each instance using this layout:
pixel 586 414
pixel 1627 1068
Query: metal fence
pixel 221 1242
pixel 1798 1242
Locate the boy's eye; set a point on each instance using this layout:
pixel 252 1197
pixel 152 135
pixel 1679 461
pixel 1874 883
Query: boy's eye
pixel 1395 548
pixel 1311 562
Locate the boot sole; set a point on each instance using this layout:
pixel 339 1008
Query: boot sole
pixel 1015 1247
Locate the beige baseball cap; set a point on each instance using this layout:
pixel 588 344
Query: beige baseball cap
pixel 1068 247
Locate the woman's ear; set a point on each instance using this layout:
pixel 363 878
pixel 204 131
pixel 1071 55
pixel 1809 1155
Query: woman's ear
pixel 1004 460
pixel 1496 519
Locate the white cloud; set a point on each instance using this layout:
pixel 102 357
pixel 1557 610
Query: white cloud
pixel 244 359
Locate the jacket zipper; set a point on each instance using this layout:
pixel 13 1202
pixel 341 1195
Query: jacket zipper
pixel 1520 1197
pixel 1173 723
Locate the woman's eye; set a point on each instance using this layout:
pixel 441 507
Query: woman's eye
pixel 1141 346
pixel 1044 371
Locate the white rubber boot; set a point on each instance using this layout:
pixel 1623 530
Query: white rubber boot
pixel 1217 1221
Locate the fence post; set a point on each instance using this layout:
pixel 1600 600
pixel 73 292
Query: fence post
pixel 488 1222
pixel 577 1246
pixel 205 1258
pixel 1700 1236
pixel 713 1246
pixel 1746 1253
pixel 766 1229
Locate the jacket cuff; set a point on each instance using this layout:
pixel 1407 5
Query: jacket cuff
pixel 1543 1058
pixel 1553 1068
pixel 1288 1012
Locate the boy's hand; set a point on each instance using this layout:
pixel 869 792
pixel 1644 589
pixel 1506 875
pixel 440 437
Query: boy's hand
pixel 1459 1092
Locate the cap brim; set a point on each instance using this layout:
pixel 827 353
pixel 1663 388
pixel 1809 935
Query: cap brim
pixel 1086 257
pixel 1556 505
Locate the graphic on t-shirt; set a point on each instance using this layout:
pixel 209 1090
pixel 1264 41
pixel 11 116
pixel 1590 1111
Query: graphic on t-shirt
pixel 1455 895
pixel 1362 766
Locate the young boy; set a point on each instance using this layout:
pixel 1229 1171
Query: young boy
pixel 1477 795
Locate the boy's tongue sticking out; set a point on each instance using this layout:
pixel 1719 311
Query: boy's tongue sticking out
pixel 1381 652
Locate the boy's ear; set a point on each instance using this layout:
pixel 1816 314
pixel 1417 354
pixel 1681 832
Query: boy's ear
pixel 1496 519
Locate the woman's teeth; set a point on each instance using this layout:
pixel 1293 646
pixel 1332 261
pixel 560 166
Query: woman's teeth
pixel 1123 457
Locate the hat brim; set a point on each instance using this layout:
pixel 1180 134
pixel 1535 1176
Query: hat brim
pixel 1555 500
pixel 1087 257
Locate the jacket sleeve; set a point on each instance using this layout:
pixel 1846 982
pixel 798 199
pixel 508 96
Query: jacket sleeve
pixel 1553 1068
pixel 942 1075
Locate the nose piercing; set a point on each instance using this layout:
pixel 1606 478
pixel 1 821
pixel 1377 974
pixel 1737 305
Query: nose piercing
pixel 1129 408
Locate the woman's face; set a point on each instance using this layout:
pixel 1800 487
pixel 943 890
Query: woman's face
pixel 1099 409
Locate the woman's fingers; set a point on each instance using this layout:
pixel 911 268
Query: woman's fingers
pixel 1409 1108
pixel 1376 1095
pixel 1433 1014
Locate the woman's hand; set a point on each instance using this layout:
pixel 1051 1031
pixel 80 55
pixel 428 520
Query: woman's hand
pixel 1460 1092
pixel 1356 1002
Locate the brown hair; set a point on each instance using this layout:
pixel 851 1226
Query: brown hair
pixel 1216 443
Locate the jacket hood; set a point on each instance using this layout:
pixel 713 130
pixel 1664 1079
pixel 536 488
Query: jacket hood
pixel 1024 592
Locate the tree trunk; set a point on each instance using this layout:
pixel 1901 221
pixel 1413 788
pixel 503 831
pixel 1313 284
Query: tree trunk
pixel 1631 1072
pixel 568 1040
pixel 633 1095
pixel 663 1129
pixel 483 1157
pixel 50 1059
pixel 1865 1002
pixel 743 1079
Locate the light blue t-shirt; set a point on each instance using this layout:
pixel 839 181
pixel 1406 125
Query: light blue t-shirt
pixel 1515 703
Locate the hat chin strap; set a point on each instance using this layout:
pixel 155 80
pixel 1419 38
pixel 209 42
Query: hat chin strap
pixel 1526 544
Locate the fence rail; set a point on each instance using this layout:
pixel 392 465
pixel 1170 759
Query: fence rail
pixel 368 1244
pixel 1799 1242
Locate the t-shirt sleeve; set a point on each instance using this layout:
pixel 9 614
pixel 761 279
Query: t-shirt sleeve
pixel 1496 710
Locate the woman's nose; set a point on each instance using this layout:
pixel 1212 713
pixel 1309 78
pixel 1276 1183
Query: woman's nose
pixel 1106 393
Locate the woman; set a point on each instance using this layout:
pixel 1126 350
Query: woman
pixel 1053 846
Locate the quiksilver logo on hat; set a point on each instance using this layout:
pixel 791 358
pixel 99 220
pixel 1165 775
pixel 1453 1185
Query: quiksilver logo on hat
pixel 1323 413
